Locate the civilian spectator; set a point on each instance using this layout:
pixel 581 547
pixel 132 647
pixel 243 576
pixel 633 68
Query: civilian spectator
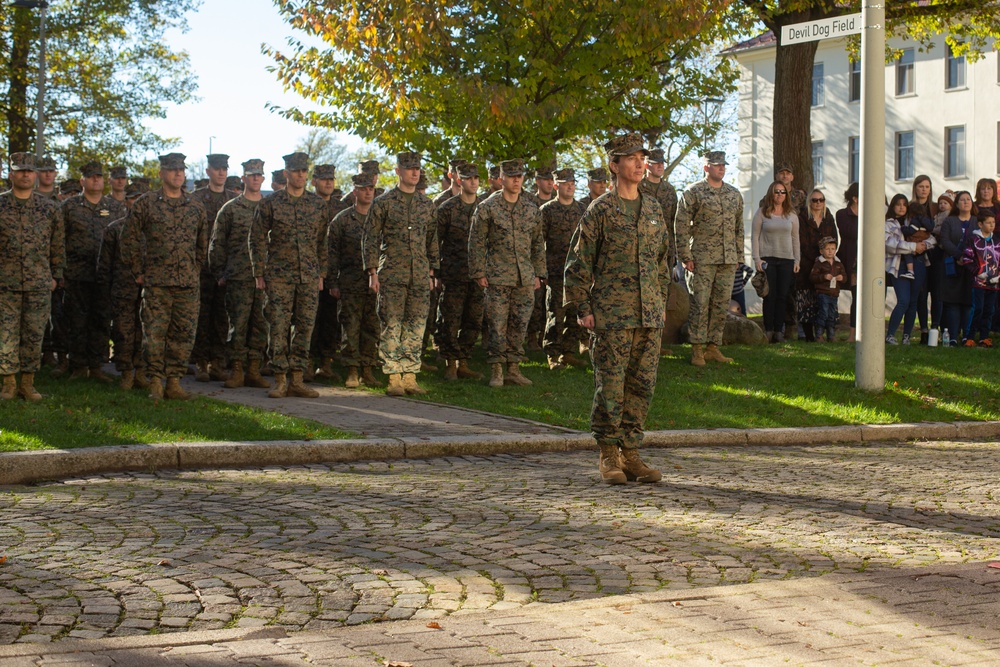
pixel 847 226
pixel 774 242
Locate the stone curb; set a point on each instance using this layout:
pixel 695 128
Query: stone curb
pixel 37 466
pixel 140 642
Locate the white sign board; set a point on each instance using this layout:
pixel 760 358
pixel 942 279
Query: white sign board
pixel 811 31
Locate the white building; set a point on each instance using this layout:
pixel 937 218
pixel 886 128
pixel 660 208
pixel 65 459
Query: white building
pixel 942 119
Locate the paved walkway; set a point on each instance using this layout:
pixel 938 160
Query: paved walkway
pixel 376 415
pixel 475 543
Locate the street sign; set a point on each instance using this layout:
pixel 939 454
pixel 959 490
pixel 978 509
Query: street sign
pixel 811 31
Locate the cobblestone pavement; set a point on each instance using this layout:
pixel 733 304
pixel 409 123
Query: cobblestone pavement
pixel 314 548
pixel 377 415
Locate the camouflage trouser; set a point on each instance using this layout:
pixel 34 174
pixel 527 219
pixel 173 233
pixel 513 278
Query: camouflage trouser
pixel 433 319
pixel 507 312
pixel 326 333
pixel 711 286
pixel 562 333
pixel 55 329
pixel 169 320
pixel 88 317
pixel 402 310
pixel 126 328
pixel 290 311
pixel 23 316
pixel 536 323
pixel 247 337
pixel 625 364
pixel 360 328
pixel 213 323
pixel 461 319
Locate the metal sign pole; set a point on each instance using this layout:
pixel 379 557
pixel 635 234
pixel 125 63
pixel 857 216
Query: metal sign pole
pixel 870 350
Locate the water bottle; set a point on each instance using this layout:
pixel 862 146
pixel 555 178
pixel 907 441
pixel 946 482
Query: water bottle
pixel 946 339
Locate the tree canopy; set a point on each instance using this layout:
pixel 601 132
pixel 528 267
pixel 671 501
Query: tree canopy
pixel 494 79
pixel 109 69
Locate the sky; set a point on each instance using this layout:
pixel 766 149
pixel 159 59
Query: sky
pixel 234 87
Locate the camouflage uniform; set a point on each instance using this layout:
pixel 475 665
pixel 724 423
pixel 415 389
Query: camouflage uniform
pixel 229 259
pixel 462 299
pixel 124 297
pixel 664 193
pixel 709 229
pixel 88 313
pixel 617 270
pixel 562 332
pixel 507 248
pixel 213 322
pixel 358 319
pixel 288 249
pixel 166 241
pixel 32 255
pixel 400 239
pixel 326 333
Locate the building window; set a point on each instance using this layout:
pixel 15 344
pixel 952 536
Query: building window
pixel 853 159
pixel 904 73
pixel 817 155
pixel 904 156
pixel 955 74
pixel 818 90
pixel 954 159
pixel 854 91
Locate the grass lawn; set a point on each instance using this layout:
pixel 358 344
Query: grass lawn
pixel 794 384
pixel 84 413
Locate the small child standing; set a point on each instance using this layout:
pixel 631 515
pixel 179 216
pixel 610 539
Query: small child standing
pixel 828 276
pixel 743 273
pixel 983 255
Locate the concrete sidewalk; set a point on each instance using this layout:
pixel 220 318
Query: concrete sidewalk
pixel 942 616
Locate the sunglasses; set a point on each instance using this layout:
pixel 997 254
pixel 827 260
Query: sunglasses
pixel 817 201
pixel 780 192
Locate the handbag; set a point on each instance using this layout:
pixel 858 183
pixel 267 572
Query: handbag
pixel 759 282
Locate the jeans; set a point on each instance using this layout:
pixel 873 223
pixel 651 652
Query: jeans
pixel 827 315
pixel 983 303
pixel 780 273
pixel 954 317
pixel 907 292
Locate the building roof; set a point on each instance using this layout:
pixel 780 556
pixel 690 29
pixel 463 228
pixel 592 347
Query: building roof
pixel 761 41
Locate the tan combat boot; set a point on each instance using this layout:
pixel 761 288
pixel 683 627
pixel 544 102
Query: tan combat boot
pixel 514 376
pixel 395 387
pixel 325 369
pixel 428 368
pixel 353 381
pixel 308 373
pixel 127 380
pixel 217 371
pixel 79 373
pixel 236 378
pixel 297 388
pixel 9 389
pixel 466 373
pixel 174 391
pixel 368 377
pixel 451 372
pixel 713 353
pixel 49 358
pixel 410 385
pixel 27 390
pixel 253 378
pixel 156 389
pixel 697 355
pixel 610 465
pixel 635 470
pixel 141 379
pixel 573 360
pixel 98 374
pixel 63 368
pixel 200 375
pixel 496 375
pixel 280 389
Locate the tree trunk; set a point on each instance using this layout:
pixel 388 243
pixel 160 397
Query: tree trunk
pixel 20 131
pixel 793 70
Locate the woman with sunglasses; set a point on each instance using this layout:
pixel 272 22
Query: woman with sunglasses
pixel 814 224
pixel 774 242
